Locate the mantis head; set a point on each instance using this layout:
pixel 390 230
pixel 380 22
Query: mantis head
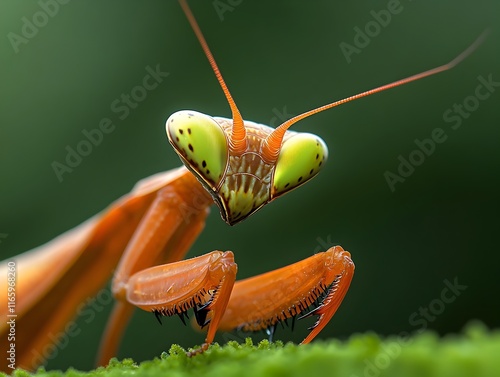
pixel 243 177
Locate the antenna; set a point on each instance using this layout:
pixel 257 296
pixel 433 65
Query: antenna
pixel 238 141
pixel 272 144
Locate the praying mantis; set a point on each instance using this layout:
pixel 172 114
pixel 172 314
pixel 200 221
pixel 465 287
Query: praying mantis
pixel 130 212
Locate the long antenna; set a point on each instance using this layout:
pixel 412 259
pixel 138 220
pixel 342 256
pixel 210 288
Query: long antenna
pixel 238 141
pixel 272 144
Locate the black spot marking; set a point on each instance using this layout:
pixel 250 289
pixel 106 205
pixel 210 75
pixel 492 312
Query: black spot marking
pixel 317 156
pixel 208 171
pixel 320 163
pixel 288 184
pixel 311 171
pixel 204 164
pixel 300 179
pixel 189 131
pixel 177 138
pixel 190 147
pixel 181 131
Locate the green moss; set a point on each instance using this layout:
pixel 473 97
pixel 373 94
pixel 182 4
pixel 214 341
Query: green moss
pixel 474 353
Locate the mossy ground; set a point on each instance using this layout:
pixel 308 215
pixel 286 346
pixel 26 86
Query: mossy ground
pixel 476 352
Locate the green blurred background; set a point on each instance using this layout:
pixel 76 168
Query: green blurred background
pixel 440 224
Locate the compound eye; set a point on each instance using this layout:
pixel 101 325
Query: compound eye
pixel 201 144
pixel 301 158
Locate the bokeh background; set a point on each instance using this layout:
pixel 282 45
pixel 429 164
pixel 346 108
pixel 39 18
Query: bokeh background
pixel 279 57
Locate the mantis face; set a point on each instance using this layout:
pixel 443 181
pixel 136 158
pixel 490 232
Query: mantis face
pixel 242 180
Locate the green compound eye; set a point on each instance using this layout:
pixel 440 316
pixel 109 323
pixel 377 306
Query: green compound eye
pixel 201 144
pixel 301 158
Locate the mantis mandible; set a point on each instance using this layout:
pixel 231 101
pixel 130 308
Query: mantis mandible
pixel 143 237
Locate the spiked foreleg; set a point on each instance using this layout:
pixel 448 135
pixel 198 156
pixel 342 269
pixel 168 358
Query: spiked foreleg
pixel 260 302
pixel 203 283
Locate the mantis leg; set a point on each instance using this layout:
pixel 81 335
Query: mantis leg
pixel 203 283
pixel 164 235
pixel 291 292
pixel 50 277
